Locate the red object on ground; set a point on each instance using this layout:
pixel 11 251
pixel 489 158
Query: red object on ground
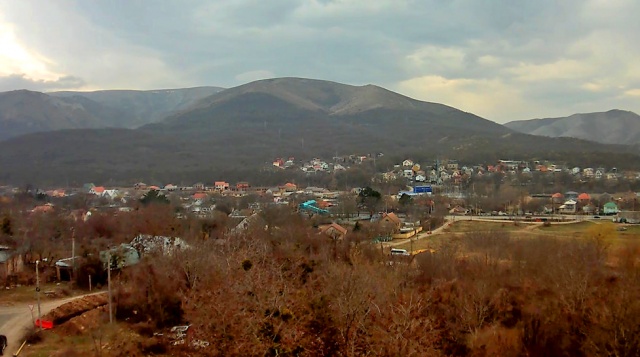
pixel 45 324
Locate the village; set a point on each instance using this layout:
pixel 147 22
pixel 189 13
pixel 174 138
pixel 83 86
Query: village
pixel 401 203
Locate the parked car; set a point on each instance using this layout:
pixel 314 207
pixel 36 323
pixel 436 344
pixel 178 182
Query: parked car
pixel 403 252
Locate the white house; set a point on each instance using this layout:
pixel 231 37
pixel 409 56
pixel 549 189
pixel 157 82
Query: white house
pixel 568 207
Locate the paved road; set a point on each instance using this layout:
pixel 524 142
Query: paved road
pixel 15 320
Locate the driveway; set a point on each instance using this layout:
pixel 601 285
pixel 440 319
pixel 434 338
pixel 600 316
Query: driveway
pixel 15 320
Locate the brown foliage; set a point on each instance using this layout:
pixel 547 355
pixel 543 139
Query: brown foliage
pixel 287 291
pixel 151 292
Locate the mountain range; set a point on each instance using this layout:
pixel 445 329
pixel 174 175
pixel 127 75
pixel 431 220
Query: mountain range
pixel 612 127
pixel 232 133
pixel 23 112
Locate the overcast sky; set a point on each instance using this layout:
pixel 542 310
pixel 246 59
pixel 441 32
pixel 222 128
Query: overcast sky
pixel 501 60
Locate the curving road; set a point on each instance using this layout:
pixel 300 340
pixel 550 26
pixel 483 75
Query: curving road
pixel 15 320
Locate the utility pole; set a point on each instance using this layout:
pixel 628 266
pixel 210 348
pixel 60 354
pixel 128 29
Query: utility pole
pixel 108 287
pixel 38 293
pixel 73 252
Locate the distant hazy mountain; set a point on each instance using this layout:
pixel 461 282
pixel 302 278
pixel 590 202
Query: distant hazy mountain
pixel 136 108
pixel 238 130
pixel 23 112
pixel 612 127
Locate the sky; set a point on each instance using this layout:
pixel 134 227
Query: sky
pixel 501 59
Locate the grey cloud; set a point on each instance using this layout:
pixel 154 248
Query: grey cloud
pixel 198 42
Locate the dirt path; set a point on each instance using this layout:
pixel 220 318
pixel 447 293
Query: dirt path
pixel 15 320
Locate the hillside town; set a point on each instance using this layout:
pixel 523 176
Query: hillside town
pixel 409 195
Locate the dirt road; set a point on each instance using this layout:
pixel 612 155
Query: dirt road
pixel 14 320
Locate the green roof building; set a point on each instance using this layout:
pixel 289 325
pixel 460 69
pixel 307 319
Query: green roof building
pixel 611 208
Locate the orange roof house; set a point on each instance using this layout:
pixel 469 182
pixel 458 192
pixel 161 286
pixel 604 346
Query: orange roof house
pixel 221 185
pixel 323 204
pixel 334 230
pixel 391 218
pixel 584 197
pixel 199 196
pixel 290 186
pixel 43 209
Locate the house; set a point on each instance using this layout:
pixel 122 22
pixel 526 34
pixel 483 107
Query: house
pixel 407 173
pixel 56 193
pixel 64 268
pixel 458 210
pixel 388 176
pixel 242 186
pixel 420 178
pixel 610 208
pixel 221 186
pixel 392 220
pixel 11 263
pixel 170 187
pixel 97 190
pixel 334 231
pixel 199 186
pixel 255 221
pixel 452 165
pixel 407 163
pixel 199 196
pixel 289 187
pixel 557 197
pixel 584 197
pixel 46 208
pixel 611 176
pixel 588 172
pixel 110 194
pixel 599 174
pixel 569 207
pixel 121 256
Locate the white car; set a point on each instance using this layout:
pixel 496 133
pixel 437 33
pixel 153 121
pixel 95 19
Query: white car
pixel 402 252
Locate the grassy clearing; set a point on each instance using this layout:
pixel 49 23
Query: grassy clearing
pixel 569 227
pixel 576 230
pixel 474 226
pixel 429 242
pixel 27 293
pixel 57 343
pixel 631 229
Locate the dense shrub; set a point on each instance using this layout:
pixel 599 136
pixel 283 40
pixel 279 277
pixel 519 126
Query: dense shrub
pixel 291 292
pixel 150 292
